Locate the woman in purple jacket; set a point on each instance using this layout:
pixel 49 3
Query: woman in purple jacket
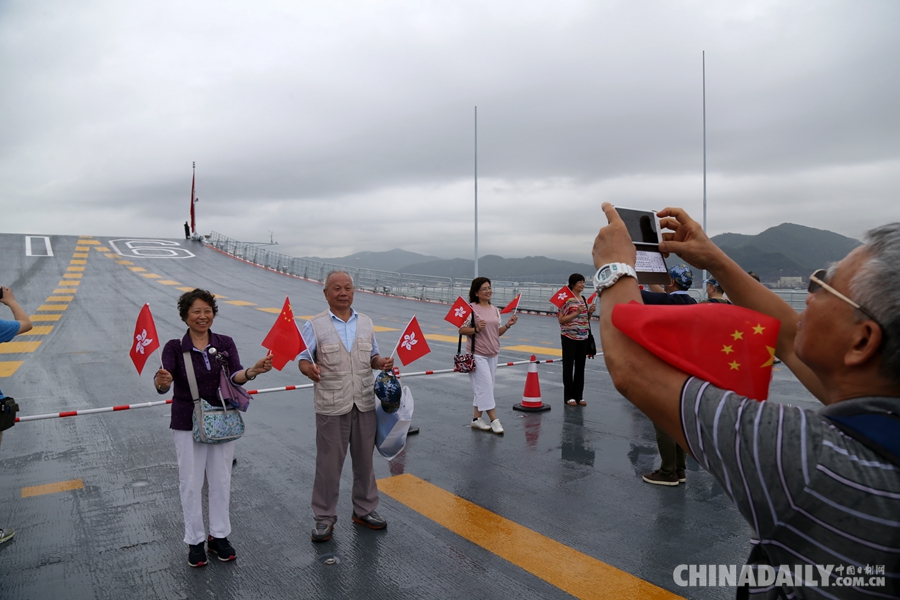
pixel 195 460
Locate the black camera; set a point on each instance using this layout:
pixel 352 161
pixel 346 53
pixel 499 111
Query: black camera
pixel 8 410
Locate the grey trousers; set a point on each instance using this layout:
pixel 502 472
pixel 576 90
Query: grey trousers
pixel 672 454
pixel 333 435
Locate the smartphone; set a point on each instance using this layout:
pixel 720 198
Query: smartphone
pixel 643 226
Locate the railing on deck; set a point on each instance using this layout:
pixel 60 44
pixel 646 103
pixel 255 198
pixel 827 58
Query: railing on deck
pixel 423 287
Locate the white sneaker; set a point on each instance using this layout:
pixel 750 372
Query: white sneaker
pixel 496 427
pixel 480 424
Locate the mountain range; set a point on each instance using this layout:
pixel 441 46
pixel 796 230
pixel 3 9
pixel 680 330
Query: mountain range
pixel 786 250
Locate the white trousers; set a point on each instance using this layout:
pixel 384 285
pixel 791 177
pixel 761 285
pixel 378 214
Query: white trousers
pixel 195 460
pixel 482 379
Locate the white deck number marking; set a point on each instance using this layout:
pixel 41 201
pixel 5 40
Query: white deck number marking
pixel 149 249
pixel 29 241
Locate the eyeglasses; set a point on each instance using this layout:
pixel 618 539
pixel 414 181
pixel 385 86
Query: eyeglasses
pixel 816 283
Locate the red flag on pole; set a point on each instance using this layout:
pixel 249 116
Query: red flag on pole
pixel 193 200
pixel 284 339
pixel 145 339
pixel 412 344
pixel 512 305
pixel 459 312
pixel 592 297
pixel 731 347
pixel 560 297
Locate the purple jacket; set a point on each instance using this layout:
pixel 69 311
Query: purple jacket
pixel 206 368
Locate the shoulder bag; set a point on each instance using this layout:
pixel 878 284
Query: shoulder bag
pixel 465 363
pixel 212 424
pixel 591 343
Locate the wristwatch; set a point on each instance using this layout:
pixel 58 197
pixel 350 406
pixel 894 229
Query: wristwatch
pixel 610 273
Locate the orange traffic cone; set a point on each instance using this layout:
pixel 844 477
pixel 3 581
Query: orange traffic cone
pixel 531 398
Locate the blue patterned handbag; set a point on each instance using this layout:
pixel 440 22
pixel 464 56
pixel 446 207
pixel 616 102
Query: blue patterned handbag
pixel 212 424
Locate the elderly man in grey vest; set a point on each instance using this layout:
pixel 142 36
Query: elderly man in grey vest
pixel 339 359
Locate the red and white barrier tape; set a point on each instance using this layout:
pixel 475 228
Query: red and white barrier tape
pixel 91 411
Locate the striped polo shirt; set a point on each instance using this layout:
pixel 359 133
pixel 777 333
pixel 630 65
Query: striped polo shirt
pixel 813 495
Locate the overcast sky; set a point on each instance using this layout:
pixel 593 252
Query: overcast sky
pixel 349 126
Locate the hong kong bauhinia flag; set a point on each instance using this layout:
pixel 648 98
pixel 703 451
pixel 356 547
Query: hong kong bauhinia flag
pixel 731 347
pixel 512 305
pixel 145 339
pixel 560 297
pixel 284 339
pixel 459 312
pixel 412 344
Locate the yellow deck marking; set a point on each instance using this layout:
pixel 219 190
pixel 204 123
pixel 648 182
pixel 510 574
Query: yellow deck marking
pixel 168 282
pixel 78 261
pixel 185 289
pixel 80 254
pixel 64 292
pixel 62 283
pixel 60 298
pixel 274 311
pixel 52 488
pixel 18 347
pixel 534 350
pixel 137 269
pixel 124 262
pixel 40 330
pixel 239 303
pixel 440 337
pixel 566 568
pixel 380 328
pixel 89 242
pixel 216 295
pixel 52 307
pixel 151 275
pixel 73 275
pixel 82 249
pixel 8 367
pixel 74 268
pixel 45 317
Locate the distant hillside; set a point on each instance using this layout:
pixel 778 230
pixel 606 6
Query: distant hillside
pixel 391 260
pixel 787 250
pixel 538 269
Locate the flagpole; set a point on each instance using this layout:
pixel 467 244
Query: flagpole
pixel 703 286
pixel 476 191
pixel 397 345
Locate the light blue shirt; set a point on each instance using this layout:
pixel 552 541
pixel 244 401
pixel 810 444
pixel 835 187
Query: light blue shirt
pixel 8 330
pixel 345 330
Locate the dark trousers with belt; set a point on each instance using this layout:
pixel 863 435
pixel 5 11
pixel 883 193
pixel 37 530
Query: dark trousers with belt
pixel 574 354
pixel 672 454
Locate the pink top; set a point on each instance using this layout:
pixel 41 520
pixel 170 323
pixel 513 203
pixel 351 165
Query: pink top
pixel 487 341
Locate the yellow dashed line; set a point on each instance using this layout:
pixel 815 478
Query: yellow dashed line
pixel 190 289
pixel 82 249
pixel 274 311
pixel 566 568
pixel 39 330
pixel 75 269
pixel 151 275
pixel 137 269
pixel 63 283
pixel 18 347
pixel 78 261
pixel 380 328
pixel 60 298
pixel 124 262
pixel 52 488
pixel 8 367
pixel 214 295
pixel 73 275
pixel 439 337
pixel 239 303
pixel 63 292
pixel 52 307
pixel 89 242
pixel 44 318
pixel 168 282
pixel 534 350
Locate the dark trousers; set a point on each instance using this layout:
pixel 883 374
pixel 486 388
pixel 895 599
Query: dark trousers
pixel 672 454
pixel 574 354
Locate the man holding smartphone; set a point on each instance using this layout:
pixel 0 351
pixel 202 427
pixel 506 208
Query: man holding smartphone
pixel 8 330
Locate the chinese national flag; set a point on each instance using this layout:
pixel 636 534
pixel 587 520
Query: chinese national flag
pixel 284 340
pixel 512 305
pixel 592 297
pixel 560 297
pixel 459 312
pixel 731 347
pixel 412 345
pixel 145 339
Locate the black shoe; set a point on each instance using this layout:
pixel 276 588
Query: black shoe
pixel 221 548
pixel 322 532
pixel 372 520
pixel 197 555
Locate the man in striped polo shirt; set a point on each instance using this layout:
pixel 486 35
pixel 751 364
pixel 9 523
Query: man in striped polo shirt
pixel 820 489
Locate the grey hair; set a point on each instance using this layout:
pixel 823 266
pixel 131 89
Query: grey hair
pixel 336 272
pixel 877 287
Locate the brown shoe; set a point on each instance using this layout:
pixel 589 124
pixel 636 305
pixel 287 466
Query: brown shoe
pixel 679 473
pixel 658 478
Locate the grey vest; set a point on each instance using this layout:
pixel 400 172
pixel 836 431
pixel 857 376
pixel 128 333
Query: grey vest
pixel 347 377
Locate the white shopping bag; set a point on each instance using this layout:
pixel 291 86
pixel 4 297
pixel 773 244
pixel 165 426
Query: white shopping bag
pixel 390 435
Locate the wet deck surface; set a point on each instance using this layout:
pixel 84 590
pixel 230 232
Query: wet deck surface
pixel 569 476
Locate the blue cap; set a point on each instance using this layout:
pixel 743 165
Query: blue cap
pixel 682 275
pixel 711 281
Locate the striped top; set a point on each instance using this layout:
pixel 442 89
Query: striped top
pixel 813 495
pixel 579 327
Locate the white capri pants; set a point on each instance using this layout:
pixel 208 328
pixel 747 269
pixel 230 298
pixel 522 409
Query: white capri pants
pixel 194 461
pixel 482 379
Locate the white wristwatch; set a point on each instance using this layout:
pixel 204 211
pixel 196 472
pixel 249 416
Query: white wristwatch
pixel 610 273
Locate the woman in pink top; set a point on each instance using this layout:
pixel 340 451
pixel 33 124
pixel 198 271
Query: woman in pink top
pixel 486 331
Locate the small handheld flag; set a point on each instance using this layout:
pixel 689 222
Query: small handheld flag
pixel 459 312
pixel 284 340
pixel 514 305
pixel 560 297
pixel 145 339
pixel 412 344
